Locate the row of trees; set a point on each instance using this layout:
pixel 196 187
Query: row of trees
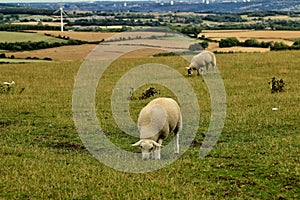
pixel 190 30
pixel 114 22
pixel 224 18
pixel 17 27
pixel 230 42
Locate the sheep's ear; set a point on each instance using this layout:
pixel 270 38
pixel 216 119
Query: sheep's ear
pixel 137 143
pixel 187 67
pixel 156 144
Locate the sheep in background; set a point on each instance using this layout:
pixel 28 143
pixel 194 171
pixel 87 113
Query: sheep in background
pixel 6 87
pixel 9 84
pixel 201 61
pixel 157 119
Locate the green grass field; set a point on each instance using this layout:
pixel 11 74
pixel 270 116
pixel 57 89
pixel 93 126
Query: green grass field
pixel 257 155
pixel 25 37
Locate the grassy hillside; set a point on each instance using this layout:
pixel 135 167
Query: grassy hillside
pixel 257 155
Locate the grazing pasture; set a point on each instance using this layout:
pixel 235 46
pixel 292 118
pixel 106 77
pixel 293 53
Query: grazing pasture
pixel 257 155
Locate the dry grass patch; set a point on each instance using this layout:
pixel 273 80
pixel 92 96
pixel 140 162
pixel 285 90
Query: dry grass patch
pixel 79 52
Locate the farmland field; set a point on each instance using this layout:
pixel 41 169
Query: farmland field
pixel 36 23
pixel 25 37
pixel 85 36
pixel 78 52
pixel 81 52
pixel 287 37
pixel 257 155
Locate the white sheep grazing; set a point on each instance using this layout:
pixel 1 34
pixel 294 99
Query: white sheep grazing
pixel 9 84
pixel 156 120
pixel 201 61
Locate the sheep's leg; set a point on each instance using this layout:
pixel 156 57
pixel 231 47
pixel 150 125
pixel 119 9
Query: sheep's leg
pixel 200 71
pixel 213 64
pixel 152 154
pixel 157 153
pixel 157 150
pixel 176 147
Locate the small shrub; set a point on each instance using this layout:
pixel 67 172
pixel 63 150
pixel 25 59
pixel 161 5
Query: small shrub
pixel 151 91
pixel 276 85
pixel 2 55
pixel 165 54
pixel 46 58
pixel 196 47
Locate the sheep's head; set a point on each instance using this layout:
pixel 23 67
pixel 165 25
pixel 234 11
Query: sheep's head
pixel 147 147
pixel 189 70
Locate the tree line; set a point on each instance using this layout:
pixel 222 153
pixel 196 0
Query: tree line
pixel 274 46
pixel 18 27
pixel 29 46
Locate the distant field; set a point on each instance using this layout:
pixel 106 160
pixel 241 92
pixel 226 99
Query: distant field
pixel 215 47
pixel 277 36
pixel 81 52
pixel 6 60
pixel 287 37
pixel 276 17
pixel 59 53
pixel 86 36
pixel 24 37
pixel 78 52
pixel 36 23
